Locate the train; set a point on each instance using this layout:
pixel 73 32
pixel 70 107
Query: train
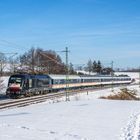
pixel 20 85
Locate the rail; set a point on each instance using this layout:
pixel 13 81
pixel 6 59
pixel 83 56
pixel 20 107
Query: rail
pixel 41 98
pixel 29 100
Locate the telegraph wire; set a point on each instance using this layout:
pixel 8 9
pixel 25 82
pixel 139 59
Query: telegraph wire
pixel 12 44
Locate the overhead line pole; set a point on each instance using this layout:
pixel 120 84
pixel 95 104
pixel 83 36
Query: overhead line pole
pixel 66 51
pixel 139 76
pixel 112 76
pixel 67 74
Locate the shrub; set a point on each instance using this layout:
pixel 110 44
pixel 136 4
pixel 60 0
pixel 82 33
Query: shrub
pixel 124 94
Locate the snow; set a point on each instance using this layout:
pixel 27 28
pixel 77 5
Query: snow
pixel 134 75
pixel 86 72
pixel 84 117
pixel 4 84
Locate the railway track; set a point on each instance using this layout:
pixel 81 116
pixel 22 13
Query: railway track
pixel 4 104
pixel 30 100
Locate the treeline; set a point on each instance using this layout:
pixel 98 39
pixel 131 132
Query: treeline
pixel 39 61
pixel 97 67
pixel 35 61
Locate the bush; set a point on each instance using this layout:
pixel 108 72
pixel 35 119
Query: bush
pixel 125 94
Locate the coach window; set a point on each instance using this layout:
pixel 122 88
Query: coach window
pixel 45 81
pixel 56 81
pixel 30 83
pixel 25 84
pixel 61 81
pixel 75 81
pixel 39 83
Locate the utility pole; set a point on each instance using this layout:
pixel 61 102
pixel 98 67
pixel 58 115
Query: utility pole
pixel 112 76
pixel 38 61
pixel 139 76
pixel 67 74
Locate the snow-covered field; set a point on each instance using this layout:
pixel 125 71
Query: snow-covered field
pixel 134 75
pixel 84 117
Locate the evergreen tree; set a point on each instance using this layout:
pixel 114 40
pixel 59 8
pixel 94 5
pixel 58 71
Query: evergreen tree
pixel 94 66
pixel 89 66
pixel 71 69
pixel 99 67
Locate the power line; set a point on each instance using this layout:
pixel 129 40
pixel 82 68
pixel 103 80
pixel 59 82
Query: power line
pixel 12 53
pixel 12 44
pixel 50 58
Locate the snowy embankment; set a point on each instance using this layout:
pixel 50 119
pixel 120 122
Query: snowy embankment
pixel 84 117
pixel 4 82
pixel 133 75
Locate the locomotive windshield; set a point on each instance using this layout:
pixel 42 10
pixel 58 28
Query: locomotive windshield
pixel 15 80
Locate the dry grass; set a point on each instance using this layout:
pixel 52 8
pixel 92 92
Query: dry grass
pixel 124 94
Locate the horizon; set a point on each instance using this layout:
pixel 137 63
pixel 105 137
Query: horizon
pixel 91 29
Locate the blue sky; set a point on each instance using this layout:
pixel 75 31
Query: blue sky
pixel 108 30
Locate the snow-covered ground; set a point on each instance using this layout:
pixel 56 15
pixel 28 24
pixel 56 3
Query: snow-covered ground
pixel 84 117
pixel 4 84
pixel 134 75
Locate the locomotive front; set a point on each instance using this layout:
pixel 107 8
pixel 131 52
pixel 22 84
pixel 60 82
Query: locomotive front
pixel 15 85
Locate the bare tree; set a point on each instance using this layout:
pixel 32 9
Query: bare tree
pixel 40 61
pixel 50 62
pixel 13 64
pixel 3 60
pixel 71 69
pixel 89 66
pixel 27 61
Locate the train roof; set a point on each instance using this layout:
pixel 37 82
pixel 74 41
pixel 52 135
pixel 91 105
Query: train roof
pixel 30 75
pixel 20 75
pixel 101 76
pixel 55 76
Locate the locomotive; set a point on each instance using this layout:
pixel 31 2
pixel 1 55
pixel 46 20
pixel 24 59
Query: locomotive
pixel 28 84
